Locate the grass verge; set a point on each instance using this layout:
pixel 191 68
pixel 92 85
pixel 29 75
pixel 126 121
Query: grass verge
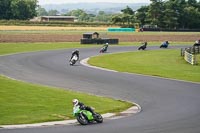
pixel 28 103
pixel 8 48
pixel 163 63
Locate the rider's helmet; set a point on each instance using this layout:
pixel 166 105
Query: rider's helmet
pixel 75 102
pixel 77 50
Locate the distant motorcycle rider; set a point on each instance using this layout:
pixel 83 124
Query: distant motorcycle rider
pixel 76 103
pixel 76 52
pixel 197 43
pixel 104 48
pixel 164 44
pixel 144 46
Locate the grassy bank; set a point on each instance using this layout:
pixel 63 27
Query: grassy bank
pixel 28 103
pixel 163 63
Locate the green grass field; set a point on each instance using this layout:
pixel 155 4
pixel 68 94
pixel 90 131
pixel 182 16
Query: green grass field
pixel 28 103
pixel 163 63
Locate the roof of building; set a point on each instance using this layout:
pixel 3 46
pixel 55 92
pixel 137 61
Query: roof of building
pixel 58 17
pixel 91 33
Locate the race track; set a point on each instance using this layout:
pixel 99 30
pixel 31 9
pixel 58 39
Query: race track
pixel 168 106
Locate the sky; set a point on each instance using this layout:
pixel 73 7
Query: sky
pixel 43 2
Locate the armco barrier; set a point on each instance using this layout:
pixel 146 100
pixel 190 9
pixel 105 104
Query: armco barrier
pixel 99 41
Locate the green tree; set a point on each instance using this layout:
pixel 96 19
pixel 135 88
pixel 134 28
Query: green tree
pixel 127 10
pixel 126 19
pixel 155 12
pixel 5 10
pixel 193 16
pixel 192 3
pixel 23 9
pixel 53 12
pixel 41 11
pixel 80 14
pixel 116 19
pixel 84 17
pixel 169 19
pixel 103 17
pixel 141 14
pixel 170 15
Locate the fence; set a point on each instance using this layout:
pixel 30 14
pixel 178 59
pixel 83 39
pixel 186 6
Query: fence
pixel 190 53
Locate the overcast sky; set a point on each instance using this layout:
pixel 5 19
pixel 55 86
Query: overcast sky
pixel 42 2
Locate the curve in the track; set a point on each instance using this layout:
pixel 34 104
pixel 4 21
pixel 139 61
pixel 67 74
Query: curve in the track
pixel 169 106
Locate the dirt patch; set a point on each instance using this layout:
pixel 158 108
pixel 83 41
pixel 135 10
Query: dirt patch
pixel 76 38
pixel 39 38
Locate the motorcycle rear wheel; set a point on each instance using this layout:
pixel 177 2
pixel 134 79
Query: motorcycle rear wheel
pixel 98 118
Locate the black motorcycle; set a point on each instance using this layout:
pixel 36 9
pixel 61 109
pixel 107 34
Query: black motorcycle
pixel 104 48
pixel 143 47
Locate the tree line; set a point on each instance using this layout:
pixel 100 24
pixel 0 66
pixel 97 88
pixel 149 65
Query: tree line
pixel 165 14
pixel 170 14
pixel 18 9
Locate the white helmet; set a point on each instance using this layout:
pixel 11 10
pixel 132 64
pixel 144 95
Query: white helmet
pixel 75 102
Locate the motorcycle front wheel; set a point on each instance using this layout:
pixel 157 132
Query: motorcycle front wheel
pixel 82 120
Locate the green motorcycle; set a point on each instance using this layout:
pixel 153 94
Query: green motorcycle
pixel 85 117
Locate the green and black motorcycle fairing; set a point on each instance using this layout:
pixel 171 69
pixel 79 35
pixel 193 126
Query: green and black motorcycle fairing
pixel 85 117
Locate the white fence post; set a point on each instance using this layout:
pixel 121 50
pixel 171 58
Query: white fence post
pixel 190 58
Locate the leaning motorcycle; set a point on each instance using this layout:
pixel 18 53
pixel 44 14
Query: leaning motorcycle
pixel 163 46
pixel 85 117
pixel 73 60
pixel 103 49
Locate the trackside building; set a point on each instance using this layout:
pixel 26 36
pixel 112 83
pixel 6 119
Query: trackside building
pixel 58 18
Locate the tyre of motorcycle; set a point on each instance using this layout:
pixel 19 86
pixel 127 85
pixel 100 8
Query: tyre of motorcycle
pixel 102 50
pixel 98 118
pixel 163 46
pixel 72 62
pixel 82 119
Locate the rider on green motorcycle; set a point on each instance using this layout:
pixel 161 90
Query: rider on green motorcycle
pixel 76 103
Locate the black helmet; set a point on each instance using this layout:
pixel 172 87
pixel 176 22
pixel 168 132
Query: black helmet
pixel 77 50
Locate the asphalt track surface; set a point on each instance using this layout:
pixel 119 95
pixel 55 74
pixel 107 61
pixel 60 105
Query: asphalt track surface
pixel 168 106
